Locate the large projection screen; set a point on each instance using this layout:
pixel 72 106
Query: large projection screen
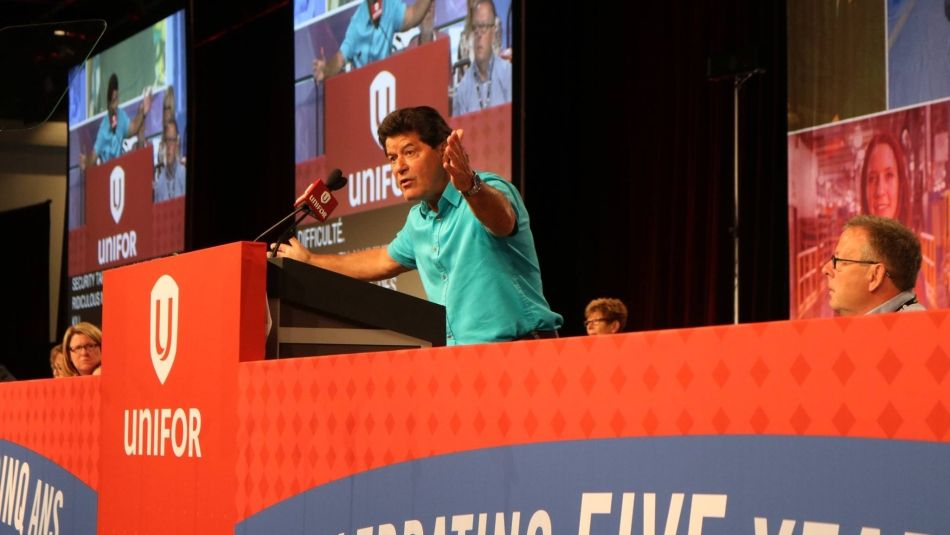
pixel 868 90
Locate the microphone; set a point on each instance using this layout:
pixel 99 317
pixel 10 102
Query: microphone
pixel 316 201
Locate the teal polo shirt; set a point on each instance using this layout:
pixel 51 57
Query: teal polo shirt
pixel 365 42
pixel 490 286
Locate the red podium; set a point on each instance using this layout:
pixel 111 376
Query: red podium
pixel 177 329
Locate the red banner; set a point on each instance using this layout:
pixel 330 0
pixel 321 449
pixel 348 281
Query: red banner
pixel 118 211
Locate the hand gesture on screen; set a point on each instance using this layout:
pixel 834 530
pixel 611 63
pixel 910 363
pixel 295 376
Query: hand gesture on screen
pixel 319 67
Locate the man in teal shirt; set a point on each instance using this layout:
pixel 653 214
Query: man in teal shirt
pixel 469 237
pixel 116 126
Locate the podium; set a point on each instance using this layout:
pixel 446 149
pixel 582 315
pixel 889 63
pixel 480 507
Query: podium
pixel 318 312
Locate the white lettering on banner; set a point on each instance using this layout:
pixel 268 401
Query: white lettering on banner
pixel 82 282
pixel 118 247
pixel 14 487
pixel 322 235
pixel 14 490
pixel 702 506
pixel 465 524
pixel 371 185
pixel 84 301
pixel 47 502
pixel 149 432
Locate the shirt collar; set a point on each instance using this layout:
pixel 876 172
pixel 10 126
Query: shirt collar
pixel 893 304
pixel 450 197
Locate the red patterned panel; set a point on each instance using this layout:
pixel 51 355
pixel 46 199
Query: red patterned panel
pixel 304 422
pixel 56 418
pixel 168 226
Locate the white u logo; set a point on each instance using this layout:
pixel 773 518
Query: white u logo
pixel 382 101
pixel 163 325
pixel 117 193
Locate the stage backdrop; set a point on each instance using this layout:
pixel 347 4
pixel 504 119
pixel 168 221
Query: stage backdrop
pixel 868 134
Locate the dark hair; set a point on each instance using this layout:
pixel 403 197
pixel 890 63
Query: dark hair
pixel 894 244
pixel 612 309
pixel 113 86
pixel 422 120
pixel 902 179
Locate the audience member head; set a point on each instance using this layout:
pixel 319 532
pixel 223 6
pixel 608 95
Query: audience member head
pixel 112 95
pixel 168 104
pixel 57 362
pixel 605 316
pixel 885 189
pixel 876 258
pixel 483 30
pixel 82 345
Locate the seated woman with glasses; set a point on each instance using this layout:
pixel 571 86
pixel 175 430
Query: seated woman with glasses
pixel 82 345
pixel 605 316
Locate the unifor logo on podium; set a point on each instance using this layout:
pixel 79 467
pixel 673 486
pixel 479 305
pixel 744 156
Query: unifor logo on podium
pixel 163 325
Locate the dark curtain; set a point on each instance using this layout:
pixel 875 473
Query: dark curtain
pixel 24 317
pixel 243 117
pixel 628 160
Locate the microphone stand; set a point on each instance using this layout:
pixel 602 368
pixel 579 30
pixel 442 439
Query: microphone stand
pixel 738 80
pixel 301 208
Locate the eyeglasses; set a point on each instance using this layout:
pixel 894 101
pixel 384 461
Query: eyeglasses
pixel 483 27
pixel 588 323
pixel 87 348
pixel 835 260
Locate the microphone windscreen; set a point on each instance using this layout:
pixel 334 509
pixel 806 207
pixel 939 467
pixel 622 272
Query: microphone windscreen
pixel 336 180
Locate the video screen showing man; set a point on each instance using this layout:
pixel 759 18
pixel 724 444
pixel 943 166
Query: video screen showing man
pixel 116 127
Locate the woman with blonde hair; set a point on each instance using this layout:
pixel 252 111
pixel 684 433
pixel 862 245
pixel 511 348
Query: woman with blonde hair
pixel 82 346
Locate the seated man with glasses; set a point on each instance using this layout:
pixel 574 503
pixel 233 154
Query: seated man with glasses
pixel 82 345
pixel 605 316
pixel 488 83
pixel 874 268
pixel 170 177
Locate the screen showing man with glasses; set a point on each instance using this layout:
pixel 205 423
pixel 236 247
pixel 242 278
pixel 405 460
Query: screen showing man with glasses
pixel 488 83
pixel 873 268
pixel 170 173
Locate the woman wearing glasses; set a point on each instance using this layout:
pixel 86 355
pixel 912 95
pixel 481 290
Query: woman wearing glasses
pixel 605 316
pixel 82 345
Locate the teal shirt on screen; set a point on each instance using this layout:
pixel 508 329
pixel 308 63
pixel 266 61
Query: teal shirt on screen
pixel 108 143
pixel 365 42
pixel 490 286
